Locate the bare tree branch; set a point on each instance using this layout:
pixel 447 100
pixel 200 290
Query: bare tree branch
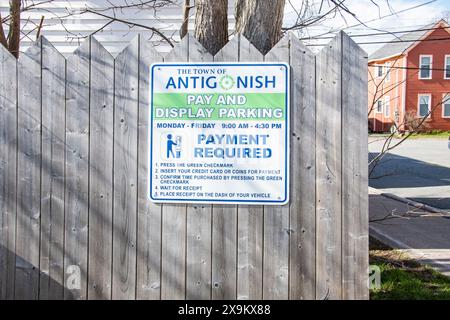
pixel 19 30
pixel 38 33
pixel 185 25
pixel 390 215
pixel 3 40
pixel 389 145
pixel 131 24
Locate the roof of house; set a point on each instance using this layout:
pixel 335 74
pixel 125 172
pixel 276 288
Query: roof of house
pixel 395 47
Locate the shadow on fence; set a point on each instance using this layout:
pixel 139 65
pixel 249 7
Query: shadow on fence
pixel 77 197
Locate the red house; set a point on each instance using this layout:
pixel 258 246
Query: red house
pixel 409 81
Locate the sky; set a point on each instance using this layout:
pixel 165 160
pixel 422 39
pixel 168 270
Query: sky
pixel 365 10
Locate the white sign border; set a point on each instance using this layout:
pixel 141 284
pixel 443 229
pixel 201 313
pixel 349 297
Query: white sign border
pixel 221 201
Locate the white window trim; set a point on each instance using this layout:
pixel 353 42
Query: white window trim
pixel 443 97
pixel 387 68
pixel 387 101
pixel 376 70
pixel 431 66
pixel 445 66
pixel 429 104
pixel 376 106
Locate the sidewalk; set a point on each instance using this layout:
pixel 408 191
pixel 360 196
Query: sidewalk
pixel 423 234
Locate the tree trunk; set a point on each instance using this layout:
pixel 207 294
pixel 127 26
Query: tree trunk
pixel 260 22
pixel 185 24
pixel 14 27
pixel 211 24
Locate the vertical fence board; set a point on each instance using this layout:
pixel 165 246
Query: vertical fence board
pixel 250 222
pixel 173 269
pixel 52 175
pixel 354 174
pixel 100 172
pixel 302 269
pixel 125 171
pixel 276 221
pixel 8 170
pixel 77 173
pixel 198 228
pixel 29 173
pixel 149 214
pixel 75 219
pixel 224 252
pixel 224 220
pixel 250 253
pixel 328 166
pixel 198 257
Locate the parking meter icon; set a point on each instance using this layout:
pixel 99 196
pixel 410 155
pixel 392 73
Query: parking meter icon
pixel 173 146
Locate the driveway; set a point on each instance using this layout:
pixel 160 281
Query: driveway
pixel 418 169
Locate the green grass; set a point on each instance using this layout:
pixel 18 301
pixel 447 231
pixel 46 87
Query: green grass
pixel 430 134
pixel 403 278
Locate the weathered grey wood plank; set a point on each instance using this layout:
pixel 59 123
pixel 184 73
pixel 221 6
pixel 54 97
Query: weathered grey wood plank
pixel 28 175
pixel 198 228
pixel 149 214
pixel 250 222
pixel 198 256
pixel 173 270
pixel 8 170
pixel 80 184
pixel 224 220
pixel 224 234
pixel 354 174
pixel 302 269
pixel 250 253
pixel 77 173
pixel 126 105
pixel 276 221
pixel 100 172
pixel 328 170
pixel 51 282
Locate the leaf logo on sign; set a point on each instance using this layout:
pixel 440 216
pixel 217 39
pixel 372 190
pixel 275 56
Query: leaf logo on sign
pixel 226 82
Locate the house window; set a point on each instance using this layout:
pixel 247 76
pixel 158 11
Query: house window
pixel 447 67
pixel 426 62
pixel 387 107
pixel 379 71
pixel 379 106
pixel 424 105
pixel 446 106
pixel 388 71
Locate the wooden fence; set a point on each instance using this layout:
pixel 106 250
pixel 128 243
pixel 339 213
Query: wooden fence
pixel 73 183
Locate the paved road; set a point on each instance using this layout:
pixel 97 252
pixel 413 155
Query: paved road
pixel 424 235
pixel 418 169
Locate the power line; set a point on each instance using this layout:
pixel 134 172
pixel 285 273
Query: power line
pixel 402 41
pixel 372 20
pixel 378 33
pixel 393 13
pixel 384 42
